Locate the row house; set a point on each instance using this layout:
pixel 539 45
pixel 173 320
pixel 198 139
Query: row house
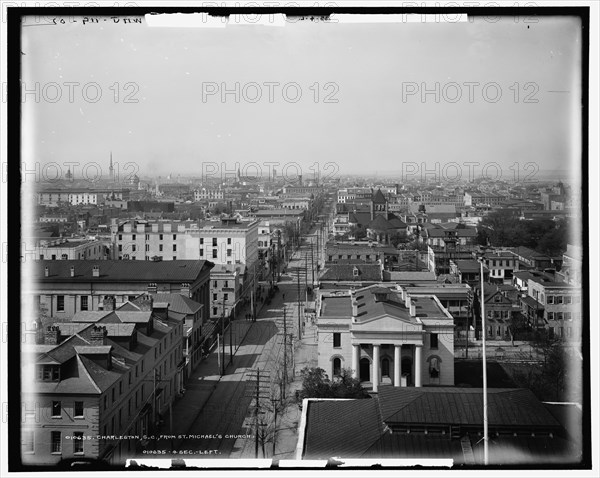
pixel 555 307
pixel 97 385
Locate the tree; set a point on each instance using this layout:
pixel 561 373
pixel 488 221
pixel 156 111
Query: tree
pixel 316 384
pixel 398 237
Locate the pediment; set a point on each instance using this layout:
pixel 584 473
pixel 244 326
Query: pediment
pixel 386 323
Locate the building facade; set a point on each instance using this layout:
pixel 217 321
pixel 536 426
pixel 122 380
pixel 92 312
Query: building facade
pixel 386 336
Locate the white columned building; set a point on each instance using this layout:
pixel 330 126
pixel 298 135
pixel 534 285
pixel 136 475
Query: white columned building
pixel 386 336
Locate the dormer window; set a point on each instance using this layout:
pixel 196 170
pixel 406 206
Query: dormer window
pixel 355 272
pixel 48 373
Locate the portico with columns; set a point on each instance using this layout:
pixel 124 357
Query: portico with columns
pixel 386 337
pixel 381 340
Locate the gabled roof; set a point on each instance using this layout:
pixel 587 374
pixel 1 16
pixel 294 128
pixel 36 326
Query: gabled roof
pixel 510 407
pixel 179 303
pixel 346 428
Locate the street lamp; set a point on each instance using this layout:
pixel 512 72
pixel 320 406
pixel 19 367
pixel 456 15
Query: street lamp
pixel 485 398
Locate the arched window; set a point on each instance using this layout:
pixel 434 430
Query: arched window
pixel 385 367
pixel 337 367
pixel 434 367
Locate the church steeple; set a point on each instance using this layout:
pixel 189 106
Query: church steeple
pixel 111 172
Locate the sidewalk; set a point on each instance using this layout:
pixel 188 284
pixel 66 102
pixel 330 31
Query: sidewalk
pixel 200 386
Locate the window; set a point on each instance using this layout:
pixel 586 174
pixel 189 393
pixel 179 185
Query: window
pixel 201 252
pixel 160 237
pixel 174 237
pixel 174 258
pixel 120 248
pixel 214 242
pixel 56 409
pixel 120 237
pixel 567 299
pixel 229 240
pixel 78 409
pixel 337 339
pixel 174 247
pixel 385 367
pixel 113 395
pixel 214 296
pixel 27 441
pixel 225 296
pixel 60 303
pixel 133 237
pixel 214 311
pixel 214 253
pixel 55 445
pixel 569 331
pixel 433 341
pixel 559 299
pixel 84 302
pixel 550 299
pixel 77 443
pixel 337 366
pixel 147 247
pixel 147 237
pixel 201 240
pixel 550 315
pixel 567 315
pixel 228 252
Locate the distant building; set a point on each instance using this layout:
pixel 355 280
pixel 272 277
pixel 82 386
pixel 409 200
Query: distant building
pixel 71 249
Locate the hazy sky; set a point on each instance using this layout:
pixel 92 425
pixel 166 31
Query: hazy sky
pixel 376 125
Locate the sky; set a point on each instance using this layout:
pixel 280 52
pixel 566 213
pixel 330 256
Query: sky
pixel 361 109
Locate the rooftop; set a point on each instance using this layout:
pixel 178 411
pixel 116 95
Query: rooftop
pixel 115 270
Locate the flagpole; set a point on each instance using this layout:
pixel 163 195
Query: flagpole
pixel 485 398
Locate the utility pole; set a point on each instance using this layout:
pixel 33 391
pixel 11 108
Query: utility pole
pixel 223 337
pixel 284 353
pixel 257 394
pixel 312 262
pixel 299 306
pixel 230 338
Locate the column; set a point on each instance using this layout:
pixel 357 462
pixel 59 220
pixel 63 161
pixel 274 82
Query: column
pixel 418 362
pixel 397 364
pixel 375 367
pixel 355 360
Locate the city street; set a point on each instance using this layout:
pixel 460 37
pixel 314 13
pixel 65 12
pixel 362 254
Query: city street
pixel 216 416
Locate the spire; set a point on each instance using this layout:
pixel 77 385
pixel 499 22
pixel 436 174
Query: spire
pixel 111 172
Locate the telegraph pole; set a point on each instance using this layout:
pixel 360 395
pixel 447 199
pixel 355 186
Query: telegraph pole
pixel 312 261
pixel 223 338
pixel 258 394
pixel 230 338
pixel 284 353
pixel 299 326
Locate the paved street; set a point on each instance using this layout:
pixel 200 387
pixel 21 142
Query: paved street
pixel 216 416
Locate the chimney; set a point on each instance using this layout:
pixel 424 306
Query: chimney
pixel 72 271
pixel 407 302
pixel 98 335
pixel 145 303
pixel 52 335
pixel 96 271
pixel 46 271
pixel 354 308
pixel 413 310
pixel 185 289
pixel 109 302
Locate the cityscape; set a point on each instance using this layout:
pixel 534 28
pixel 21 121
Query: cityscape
pixel 248 275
